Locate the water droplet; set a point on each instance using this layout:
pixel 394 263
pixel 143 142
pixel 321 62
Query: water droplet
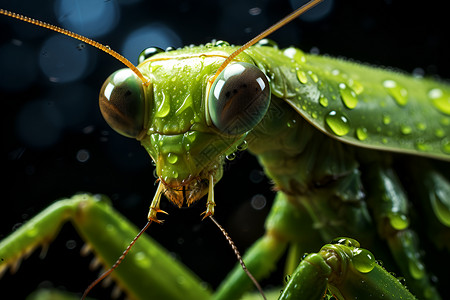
pixel 301 76
pixel 440 133
pixel 313 76
pixel 338 123
pixel 386 119
pixel 363 260
pixel 398 221
pixel 32 231
pixel 292 122
pixel 416 268
pixel 323 101
pixel 422 146
pixel 142 260
pixel 405 129
pixel 243 146
pixel 231 156
pixel 172 158
pixel 440 100
pixel 356 86
pixel 348 96
pixel 399 93
pixel 445 121
pixel 164 107
pixel 349 242
pixel 361 133
pixel 287 278
pixel 295 54
pixel 446 146
pixel 421 126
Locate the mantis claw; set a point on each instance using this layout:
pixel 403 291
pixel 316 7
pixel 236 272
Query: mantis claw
pixel 154 206
pixel 210 202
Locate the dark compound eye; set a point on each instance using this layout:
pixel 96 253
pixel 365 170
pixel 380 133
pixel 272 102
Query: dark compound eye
pixel 122 103
pixel 239 98
pixel 149 52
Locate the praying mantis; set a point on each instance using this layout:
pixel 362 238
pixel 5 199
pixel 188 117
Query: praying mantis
pixel 144 175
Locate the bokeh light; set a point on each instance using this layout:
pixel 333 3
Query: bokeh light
pixel 62 59
pixel 152 35
pixel 91 18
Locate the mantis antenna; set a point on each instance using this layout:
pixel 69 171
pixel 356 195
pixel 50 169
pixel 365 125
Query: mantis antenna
pixel 79 37
pixel 146 82
pixel 296 13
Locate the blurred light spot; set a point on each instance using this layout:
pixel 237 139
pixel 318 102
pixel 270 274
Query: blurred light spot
pixel 71 244
pixel 83 155
pixel 258 202
pixel 18 66
pixel 153 35
pixel 76 102
pixel 254 11
pixel 61 61
pixel 256 176
pixel 91 18
pixel 317 13
pixel 39 124
pixel 235 22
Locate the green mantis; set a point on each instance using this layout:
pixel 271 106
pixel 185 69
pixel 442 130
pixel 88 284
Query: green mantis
pixel 308 79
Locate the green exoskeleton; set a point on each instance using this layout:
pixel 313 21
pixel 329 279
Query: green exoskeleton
pixel 329 133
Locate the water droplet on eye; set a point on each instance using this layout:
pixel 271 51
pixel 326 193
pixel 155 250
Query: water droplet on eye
pixel 338 123
pixel 405 129
pixel 301 76
pixel 399 93
pixel 361 133
pixel 441 100
pixel 363 260
pixel 348 96
pixel 323 101
pixel 172 158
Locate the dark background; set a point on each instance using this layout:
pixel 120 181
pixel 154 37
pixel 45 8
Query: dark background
pixel 40 165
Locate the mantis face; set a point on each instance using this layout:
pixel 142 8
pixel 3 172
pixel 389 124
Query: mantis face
pixel 186 129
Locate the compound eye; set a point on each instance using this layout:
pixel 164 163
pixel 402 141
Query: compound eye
pixel 239 98
pixel 122 103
